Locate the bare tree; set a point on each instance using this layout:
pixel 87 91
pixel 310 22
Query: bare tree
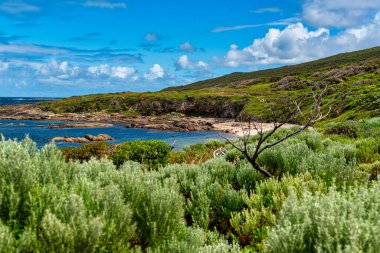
pixel 279 117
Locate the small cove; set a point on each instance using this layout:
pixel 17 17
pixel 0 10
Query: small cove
pixel 40 133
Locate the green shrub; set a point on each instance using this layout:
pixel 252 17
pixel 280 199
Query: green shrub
pixel 153 154
pixel 309 152
pixel 50 205
pixel 371 170
pixel 264 204
pixel 345 221
pixel 355 129
pixel 195 154
pixel 368 150
pixel 212 191
pixel 86 152
pixel 351 129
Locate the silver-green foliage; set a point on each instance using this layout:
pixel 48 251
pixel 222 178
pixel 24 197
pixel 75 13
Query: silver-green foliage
pixel 50 205
pixel 346 221
pixel 332 161
pixel 264 204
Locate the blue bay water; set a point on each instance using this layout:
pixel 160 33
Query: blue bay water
pixel 22 100
pixel 39 132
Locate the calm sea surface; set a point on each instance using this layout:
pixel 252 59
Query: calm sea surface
pixel 22 100
pixel 39 132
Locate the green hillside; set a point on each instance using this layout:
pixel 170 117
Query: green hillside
pixel 318 65
pixel 353 81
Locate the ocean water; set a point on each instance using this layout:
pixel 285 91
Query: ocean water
pixel 39 132
pixel 22 100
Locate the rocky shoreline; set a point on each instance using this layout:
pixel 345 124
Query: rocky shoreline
pixel 177 122
pixel 99 119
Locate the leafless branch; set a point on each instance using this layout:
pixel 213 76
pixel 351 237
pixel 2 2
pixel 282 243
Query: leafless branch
pixel 279 119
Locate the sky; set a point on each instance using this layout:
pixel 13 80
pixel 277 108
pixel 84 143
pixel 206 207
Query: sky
pixel 61 48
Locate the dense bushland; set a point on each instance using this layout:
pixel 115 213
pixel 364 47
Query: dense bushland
pixel 324 185
pixel 347 221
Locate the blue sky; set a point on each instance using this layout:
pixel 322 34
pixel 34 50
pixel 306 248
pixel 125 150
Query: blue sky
pixel 66 47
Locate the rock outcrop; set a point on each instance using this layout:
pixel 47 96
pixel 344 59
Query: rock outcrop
pixel 86 139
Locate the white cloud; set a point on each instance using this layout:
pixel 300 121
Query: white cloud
pixel 339 13
pixel 114 72
pixel 53 68
pixel 4 66
pixel 184 62
pixel 280 22
pixel 155 72
pixel 122 72
pixel 105 4
pixel 30 49
pixel 296 44
pixel 18 7
pixel 266 10
pixel 99 70
pixel 187 47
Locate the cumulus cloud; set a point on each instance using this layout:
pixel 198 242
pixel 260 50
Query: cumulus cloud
pixel 296 44
pixel 105 4
pixel 339 13
pixel 114 72
pixel 184 62
pixel 60 70
pixel 155 72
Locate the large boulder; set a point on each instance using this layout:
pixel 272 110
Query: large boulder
pixel 86 139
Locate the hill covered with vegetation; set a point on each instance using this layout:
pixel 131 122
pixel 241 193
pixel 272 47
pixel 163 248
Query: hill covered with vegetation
pixel 353 81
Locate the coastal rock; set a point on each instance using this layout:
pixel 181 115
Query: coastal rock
pixel 57 139
pixel 86 139
pixel 104 137
pixel 100 137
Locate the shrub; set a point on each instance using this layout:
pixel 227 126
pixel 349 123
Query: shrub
pixel 309 152
pixel 50 205
pixel 264 204
pixel 195 154
pixel 355 129
pixel 86 152
pixel 153 154
pixel 371 170
pixel 368 150
pixel 351 129
pixel 345 221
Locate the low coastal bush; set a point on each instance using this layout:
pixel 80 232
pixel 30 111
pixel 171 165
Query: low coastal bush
pixel 195 154
pixel 153 154
pixel 86 152
pixel 355 129
pixel 346 221
pixel 264 204
pixel 50 205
